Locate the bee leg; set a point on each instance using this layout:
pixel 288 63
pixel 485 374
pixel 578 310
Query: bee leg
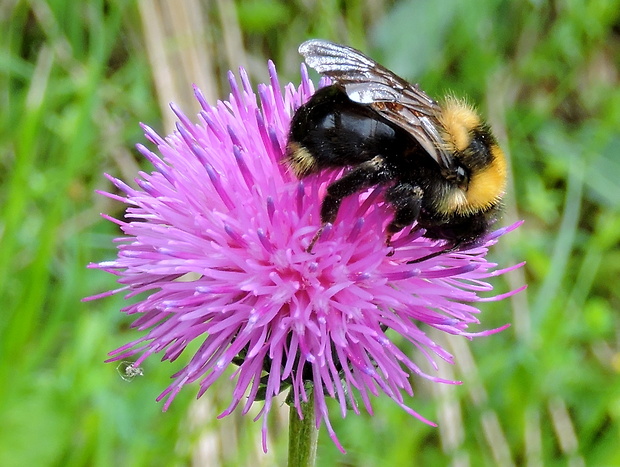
pixel 366 174
pixel 315 238
pixel 372 172
pixel 445 251
pixel 406 199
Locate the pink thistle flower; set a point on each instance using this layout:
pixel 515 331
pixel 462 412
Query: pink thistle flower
pixel 217 238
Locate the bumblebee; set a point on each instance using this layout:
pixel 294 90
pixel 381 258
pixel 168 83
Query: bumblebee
pixel 439 161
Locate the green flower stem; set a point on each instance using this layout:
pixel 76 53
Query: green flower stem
pixel 303 435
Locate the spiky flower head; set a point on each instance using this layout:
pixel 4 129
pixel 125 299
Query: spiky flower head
pixel 216 238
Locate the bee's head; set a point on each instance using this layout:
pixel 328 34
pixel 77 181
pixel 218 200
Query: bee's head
pixel 477 177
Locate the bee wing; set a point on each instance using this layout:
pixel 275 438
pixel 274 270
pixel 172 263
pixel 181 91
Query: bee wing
pixel 367 82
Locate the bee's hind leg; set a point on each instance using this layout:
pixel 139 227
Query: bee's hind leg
pixel 406 199
pixel 364 175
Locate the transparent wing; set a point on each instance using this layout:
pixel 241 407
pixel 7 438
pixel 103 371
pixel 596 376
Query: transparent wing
pixel 367 82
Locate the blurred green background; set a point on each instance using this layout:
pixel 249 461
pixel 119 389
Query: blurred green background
pixel 77 77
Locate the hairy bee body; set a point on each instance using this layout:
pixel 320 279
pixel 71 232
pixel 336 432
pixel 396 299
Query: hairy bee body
pixel 440 164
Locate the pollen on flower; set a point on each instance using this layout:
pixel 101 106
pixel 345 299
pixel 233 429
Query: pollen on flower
pixel 216 239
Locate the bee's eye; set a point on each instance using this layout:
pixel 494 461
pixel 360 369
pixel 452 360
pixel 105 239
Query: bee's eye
pixel 462 180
